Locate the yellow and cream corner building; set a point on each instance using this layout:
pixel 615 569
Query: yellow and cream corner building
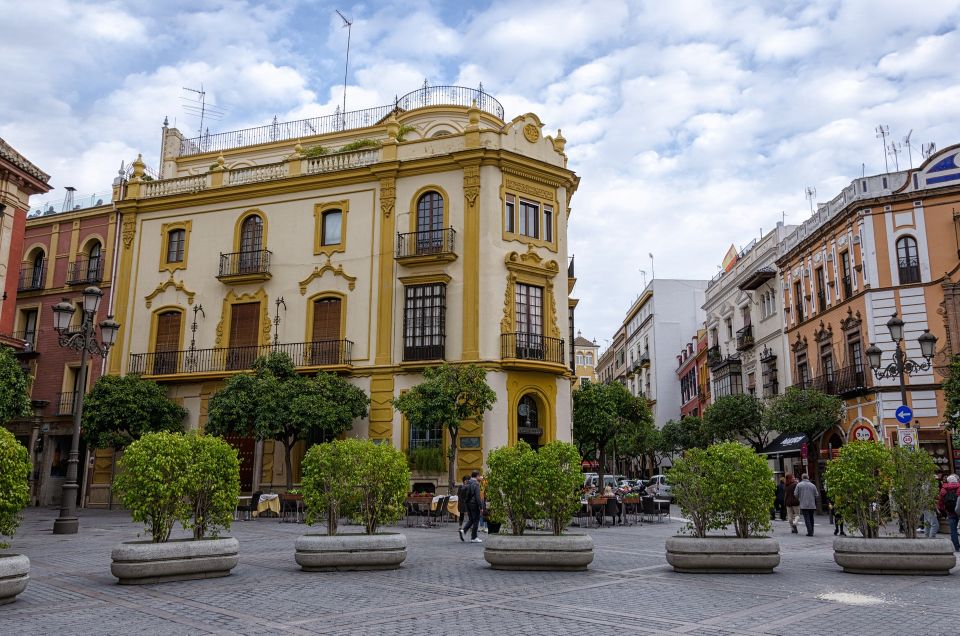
pixel 372 244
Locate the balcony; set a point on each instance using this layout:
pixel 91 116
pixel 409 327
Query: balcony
pixel 318 353
pixel 848 381
pixel 424 352
pixel 29 336
pixel 909 270
pixel 66 402
pixel 644 359
pixel 31 279
pixel 245 267
pixel 714 357
pixel 427 246
pixel 745 338
pixel 531 347
pixel 85 271
pixel 847 287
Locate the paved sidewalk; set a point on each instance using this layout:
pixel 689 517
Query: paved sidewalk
pixel 446 588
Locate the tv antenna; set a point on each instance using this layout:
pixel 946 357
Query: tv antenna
pixel 200 108
pixel 811 194
pixel 906 142
pixel 928 149
pixel 894 149
pixel 346 66
pixel 643 276
pixel 882 133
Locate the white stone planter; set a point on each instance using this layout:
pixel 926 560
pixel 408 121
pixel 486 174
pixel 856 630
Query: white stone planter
pixel 723 555
pixel 538 552
pixel 14 575
pixel 140 562
pixel 894 555
pixel 346 552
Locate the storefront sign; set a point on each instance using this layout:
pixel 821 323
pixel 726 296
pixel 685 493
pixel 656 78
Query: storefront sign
pixel 529 430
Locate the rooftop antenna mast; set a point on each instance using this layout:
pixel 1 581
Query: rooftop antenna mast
pixel 811 195
pixel 882 133
pixel 346 66
pixel 906 142
pixel 928 149
pixel 200 108
pixel 894 150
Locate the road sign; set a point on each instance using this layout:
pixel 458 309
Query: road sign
pixel 907 437
pixel 804 450
pixel 904 414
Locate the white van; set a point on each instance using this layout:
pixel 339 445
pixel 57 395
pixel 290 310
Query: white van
pixel 659 486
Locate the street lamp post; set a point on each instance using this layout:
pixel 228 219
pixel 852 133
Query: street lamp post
pixel 84 340
pixel 901 365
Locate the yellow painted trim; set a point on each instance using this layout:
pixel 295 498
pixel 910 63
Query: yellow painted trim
pixel 165 229
pixel 530 269
pixel 51 261
pixel 323 269
pixel 318 211
pixel 85 248
pixel 155 319
pixel 385 284
pixel 416 199
pixel 231 299
pixel 425 279
pixel 544 390
pixel 74 240
pixel 308 327
pixel 19 320
pixel 108 248
pixel 28 262
pixel 532 192
pixel 74 367
pixel 122 290
pixel 381 406
pixel 162 287
pixel 471 262
pixel 239 224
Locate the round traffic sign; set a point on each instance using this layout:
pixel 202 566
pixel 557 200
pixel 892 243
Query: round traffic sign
pixel 904 414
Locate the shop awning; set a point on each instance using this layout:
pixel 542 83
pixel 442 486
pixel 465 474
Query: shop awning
pixel 786 444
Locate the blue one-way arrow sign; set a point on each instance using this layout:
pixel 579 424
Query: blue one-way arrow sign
pixel 904 414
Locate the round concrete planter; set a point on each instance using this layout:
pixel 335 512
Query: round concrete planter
pixel 14 574
pixel 538 552
pixel 140 562
pixel 894 555
pixel 345 552
pixel 729 555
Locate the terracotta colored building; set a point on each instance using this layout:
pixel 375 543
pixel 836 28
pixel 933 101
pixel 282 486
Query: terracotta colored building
pixel 886 244
pixel 693 375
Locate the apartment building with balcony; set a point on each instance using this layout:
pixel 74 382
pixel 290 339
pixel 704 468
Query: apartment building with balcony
pixel 370 244
pixel 693 374
pixel 744 322
pixel 63 254
pixel 585 359
pixel 885 244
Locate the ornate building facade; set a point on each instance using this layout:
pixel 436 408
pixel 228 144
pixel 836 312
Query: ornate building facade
pixel 370 244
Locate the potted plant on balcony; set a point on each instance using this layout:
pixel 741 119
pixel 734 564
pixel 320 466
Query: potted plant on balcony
pixel 724 485
pixel 860 481
pixel 363 480
pixel 544 485
pixel 169 477
pixel 14 496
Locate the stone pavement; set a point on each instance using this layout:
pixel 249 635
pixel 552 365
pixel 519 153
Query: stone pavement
pixel 445 587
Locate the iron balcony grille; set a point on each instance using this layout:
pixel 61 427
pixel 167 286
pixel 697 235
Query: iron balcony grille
pixel 714 356
pixel 280 131
pixel 241 263
pixel 909 270
pixel 433 351
pixel 426 242
pixel 29 336
pixel 531 346
pixel 317 353
pixel 843 381
pixel 85 271
pixel 745 338
pixel 66 402
pixel 31 278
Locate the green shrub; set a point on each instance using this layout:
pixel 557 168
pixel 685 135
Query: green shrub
pixel 914 485
pixel 315 151
pixel 403 130
pixel 511 499
pixel 360 144
pixel 383 480
pixel 212 484
pixel 857 482
pixel 724 484
pixel 151 483
pixel 556 481
pixel 428 460
pixel 328 482
pixel 14 485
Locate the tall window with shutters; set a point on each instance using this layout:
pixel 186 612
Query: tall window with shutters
pixel 908 260
pixel 429 223
pixel 529 312
pixel 251 245
pixel 167 342
pixel 324 347
pixel 424 322
pixel 244 330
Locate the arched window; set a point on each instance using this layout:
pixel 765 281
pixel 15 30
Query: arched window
pixel 528 421
pixel 251 244
pixel 588 359
pixel 35 281
pixel 429 223
pixel 94 262
pixel 167 342
pixel 908 260
pixel 325 344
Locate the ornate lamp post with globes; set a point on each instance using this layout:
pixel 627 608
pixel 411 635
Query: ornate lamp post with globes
pixel 901 364
pixel 84 340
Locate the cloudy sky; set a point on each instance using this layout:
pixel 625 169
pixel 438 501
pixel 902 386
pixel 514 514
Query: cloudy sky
pixel 693 124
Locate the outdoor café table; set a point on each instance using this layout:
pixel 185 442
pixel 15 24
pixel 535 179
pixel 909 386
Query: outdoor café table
pixel 451 504
pixel 269 501
pixel 417 505
pixel 241 500
pixel 597 506
pixel 631 508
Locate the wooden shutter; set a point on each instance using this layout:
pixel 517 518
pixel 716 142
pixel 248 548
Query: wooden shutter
pixel 168 341
pixel 244 328
pixel 326 331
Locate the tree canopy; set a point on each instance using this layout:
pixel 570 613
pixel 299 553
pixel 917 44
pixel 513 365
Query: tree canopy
pixel 803 411
pixel 680 435
pixel 279 404
pixel 951 393
pixel 14 387
pixel 731 417
pixel 448 395
pixel 121 409
pixel 605 412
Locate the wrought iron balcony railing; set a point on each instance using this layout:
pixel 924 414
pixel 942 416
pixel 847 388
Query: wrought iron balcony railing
pixel 909 270
pixel 317 353
pixel 31 278
pixel 85 271
pixel 28 335
pixel 745 338
pixel 66 402
pixel 426 242
pixel 844 381
pixel 435 350
pixel 245 263
pixel 531 346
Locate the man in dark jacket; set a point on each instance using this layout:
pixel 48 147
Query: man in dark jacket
pixel 472 506
pixel 793 504
pixel 779 502
pixel 461 505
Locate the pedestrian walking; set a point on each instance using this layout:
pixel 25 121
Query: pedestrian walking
pixel 948 503
pixel 791 501
pixel 461 505
pixel 779 501
pixel 472 504
pixel 807 495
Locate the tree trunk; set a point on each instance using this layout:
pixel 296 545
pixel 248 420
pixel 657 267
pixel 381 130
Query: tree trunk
pixel 288 452
pixel 452 464
pixel 602 465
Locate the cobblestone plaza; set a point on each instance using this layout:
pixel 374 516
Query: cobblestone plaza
pixel 445 587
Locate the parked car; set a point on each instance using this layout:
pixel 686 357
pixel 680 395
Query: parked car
pixel 590 480
pixel 659 486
